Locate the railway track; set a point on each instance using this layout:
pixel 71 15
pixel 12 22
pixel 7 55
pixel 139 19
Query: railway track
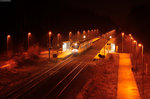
pixel 34 80
pixel 58 88
pixel 54 89
pixel 57 84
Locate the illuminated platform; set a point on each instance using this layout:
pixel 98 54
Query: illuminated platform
pixel 111 48
pixel 127 88
pixel 64 54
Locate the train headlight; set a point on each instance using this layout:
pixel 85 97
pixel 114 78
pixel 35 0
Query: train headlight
pixel 75 50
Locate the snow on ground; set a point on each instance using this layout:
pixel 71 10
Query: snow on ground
pixel 103 85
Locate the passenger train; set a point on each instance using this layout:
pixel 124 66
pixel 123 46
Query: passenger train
pixel 79 47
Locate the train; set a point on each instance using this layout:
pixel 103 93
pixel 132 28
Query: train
pixel 80 46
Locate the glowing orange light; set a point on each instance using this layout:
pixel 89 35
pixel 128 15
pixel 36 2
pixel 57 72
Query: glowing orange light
pixel 58 34
pixel 50 33
pixel 134 41
pixel 29 34
pixel 123 34
pixel 139 45
pixel 130 35
pixel 131 38
pixel 84 32
pixel 70 33
pixel 8 36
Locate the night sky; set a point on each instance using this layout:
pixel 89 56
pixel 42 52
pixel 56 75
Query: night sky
pixel 21 16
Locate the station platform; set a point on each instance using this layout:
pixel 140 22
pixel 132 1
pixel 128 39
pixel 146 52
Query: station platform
pixel 64 54
pixel 107 49
pixel 127 87
pixel 61 55
pixel 102 53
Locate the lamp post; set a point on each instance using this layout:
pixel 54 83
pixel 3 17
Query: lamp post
pixel 49 39
pixel 122 40
pixel 8 39
pixel 131 45
pixel 70 34
pixel 29 36
pixel 140 45
pixel 135 42
pixel 58 40
pixel 84 34
pixel 78 35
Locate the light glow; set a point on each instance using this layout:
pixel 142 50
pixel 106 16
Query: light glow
pixel 110 37
pixel 29 34
pixel 139 45
pixel 50 33
pixel 75 50
pixel 8 36
pixel 84 36
pixel 134 41
pixel 75 44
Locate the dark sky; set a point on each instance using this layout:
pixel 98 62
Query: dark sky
pixel 39 16
pixel 118 10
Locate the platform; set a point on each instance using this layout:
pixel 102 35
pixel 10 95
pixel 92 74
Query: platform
pixel 127 87
pixel 64 54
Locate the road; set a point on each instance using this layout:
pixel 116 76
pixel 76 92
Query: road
pixel 62 81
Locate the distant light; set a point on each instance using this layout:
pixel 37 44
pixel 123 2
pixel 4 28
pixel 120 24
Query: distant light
pixel 122 33
pixel 134 41
pixel 139 45
pixel 29 34
pixel 50 33
pixel 75 44
pixel 130 35
pixel 131 38
pixel 84 36
pixel 75 50
pixel 110 37
pixel 70 33
pixel 58 34
pixel 8 36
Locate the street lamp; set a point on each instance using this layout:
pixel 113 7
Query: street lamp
pixel 131 45
pixel 29 36
pixel 135 42
pixel 140 45
pixel 122 41
pixel 135 53
pixel 130 35
pixel 8 38
pixel 78 35
pixel 49 41
pixel 70 34
pixel 58 39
